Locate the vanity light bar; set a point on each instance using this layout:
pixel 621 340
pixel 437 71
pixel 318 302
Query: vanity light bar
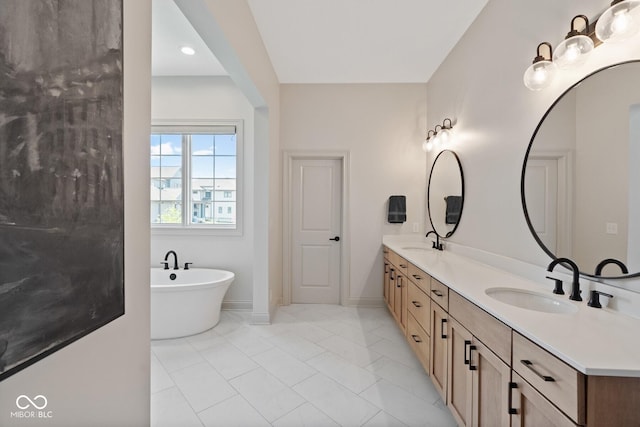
pixel 619 22
pixel 441 135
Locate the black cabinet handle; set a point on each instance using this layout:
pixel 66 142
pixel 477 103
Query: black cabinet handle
pixel 416 338
pixel 415 276
pixel 403 265
pixel 443 334
pixel 529 365
pixel 437 292
pixel 511 410
pixel 391 271
pixel 416 303
pixel 471 367
pixel 336 239
pixel 466 344
pixel 399 282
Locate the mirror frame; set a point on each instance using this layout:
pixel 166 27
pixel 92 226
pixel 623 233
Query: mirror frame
pixel 435 161
pixel 524 168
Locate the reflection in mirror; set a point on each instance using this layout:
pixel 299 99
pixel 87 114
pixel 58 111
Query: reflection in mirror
pixel 581 175
pixel 445 193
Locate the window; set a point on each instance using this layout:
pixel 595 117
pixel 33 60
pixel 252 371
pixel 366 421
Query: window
pixel 195 176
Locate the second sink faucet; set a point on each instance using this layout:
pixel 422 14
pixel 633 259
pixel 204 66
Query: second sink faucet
pixel 604 262
pixel 175 260
pixel 436 245
pixel 575 284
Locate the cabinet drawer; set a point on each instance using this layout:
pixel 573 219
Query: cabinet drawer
pixel 440 294
pixel 418 305
pixel 557 381
pixel 492 332
pixel 419 341
pixel 399 262
pixel 420 278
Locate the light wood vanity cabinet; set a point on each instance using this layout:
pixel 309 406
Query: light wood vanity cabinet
pixel 490 375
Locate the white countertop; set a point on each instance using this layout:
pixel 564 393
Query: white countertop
pixel 593 341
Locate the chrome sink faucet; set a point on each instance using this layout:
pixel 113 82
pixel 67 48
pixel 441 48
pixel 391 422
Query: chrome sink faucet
pixel 575 284
pixel 175 260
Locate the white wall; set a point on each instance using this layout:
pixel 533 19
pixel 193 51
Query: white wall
pixel 480 86
pixel 228 28
pixel 214 98
pixel 382 126
pixel 103 378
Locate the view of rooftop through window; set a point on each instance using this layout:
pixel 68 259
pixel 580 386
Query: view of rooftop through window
pixel 193 179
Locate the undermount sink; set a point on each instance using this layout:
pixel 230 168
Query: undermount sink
pixel 530 300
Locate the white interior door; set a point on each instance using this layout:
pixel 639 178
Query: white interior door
pixel 541 188
pixel 316 225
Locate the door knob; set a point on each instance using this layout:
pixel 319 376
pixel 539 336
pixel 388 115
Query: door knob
pixel 337 238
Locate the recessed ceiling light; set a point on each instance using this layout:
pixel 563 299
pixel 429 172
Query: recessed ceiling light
pixel 187 50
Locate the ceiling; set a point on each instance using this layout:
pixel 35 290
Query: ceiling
pixel 329 41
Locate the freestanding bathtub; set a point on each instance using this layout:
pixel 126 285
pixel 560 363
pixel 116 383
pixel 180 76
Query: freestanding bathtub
pixel 186 302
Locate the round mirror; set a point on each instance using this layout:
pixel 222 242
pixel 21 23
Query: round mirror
pixel 581 174
pixel 445 193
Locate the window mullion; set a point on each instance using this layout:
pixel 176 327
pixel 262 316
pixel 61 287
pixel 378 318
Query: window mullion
pixel 186 178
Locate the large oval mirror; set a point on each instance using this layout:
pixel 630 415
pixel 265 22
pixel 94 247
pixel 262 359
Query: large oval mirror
pixel 445 193
pixel 581 174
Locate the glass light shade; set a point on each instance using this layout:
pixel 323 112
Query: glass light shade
pixel 539 75
pixel 620 22
pixel 444 136
pixel 572 51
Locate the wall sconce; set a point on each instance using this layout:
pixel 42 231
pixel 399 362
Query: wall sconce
pixel 619 22
pixel 441 135
pixel 540 74
pixel 575 47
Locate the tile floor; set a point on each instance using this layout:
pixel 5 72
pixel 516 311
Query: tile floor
pixel 316 365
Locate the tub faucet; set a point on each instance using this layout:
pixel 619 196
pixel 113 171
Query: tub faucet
pixel 604 262
pixel 436 245
pixel 175 260
pixel 575 284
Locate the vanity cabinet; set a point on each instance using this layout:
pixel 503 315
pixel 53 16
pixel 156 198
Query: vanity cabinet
pixel 438 351
pixel 478 380
pixel 395 286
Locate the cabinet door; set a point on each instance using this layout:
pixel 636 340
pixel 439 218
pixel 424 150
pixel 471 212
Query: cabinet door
pixel 438 356
pixel 400 301
pixel 459 374
pixel 391 291
pixel 385 282
pixel 490 387
pixel 530 408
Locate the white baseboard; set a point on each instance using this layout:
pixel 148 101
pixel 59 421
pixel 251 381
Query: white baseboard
pixel 260 318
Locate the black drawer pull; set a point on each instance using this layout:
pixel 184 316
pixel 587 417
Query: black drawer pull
pixel 471 367
pixel 511 410
pixel 416 338
pixel 443 334
pixel 403 265
pixel 416 303
pixel 466 343
pixel 415 276
pixel 529 365
pixel 437 292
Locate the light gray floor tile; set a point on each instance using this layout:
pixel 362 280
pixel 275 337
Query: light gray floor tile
pixel 350 351
pixel 175 354
pixel 305 416
pixel 297 346
pixel 170 409
pixel 283 366
pixel 160 379
pixel 345 373
pixel 202 386
pixel 264 392
pixel 343 406
pixel 382 419
pixel 233 412
pixel 248 341
pixel 228 360
pixel 413 380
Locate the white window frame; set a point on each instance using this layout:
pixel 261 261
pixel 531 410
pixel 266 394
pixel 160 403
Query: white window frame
pixel 202 126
